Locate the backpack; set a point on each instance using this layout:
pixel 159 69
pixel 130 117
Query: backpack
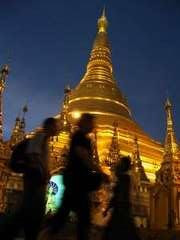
pixel 18 157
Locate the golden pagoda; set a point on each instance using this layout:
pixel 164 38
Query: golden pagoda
pixel 98 93
pixel 155 166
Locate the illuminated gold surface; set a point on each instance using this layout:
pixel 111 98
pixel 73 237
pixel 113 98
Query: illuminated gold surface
pixel 76 114
pixel 98 93
pixel 102 22
pixel 165 203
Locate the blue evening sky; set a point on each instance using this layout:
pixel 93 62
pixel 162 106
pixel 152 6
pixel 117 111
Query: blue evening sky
pixel 48 43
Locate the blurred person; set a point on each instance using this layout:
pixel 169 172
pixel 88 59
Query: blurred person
pixel 121 224
pixel 35 178
pixel 81 177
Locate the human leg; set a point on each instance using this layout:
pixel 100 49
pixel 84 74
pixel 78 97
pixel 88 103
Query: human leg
pixel 34 211
pixel 83 212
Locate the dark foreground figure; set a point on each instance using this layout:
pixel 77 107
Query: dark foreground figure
pixel 31 212
pixel 80 178
pixel 121 224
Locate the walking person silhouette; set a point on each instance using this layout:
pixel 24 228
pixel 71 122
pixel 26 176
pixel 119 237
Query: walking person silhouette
pixel 80 178
pixel 35 178
pixel 121 224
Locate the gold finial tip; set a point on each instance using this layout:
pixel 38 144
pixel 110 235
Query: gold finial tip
pixel 102 22
pixel 168 103
pixel 104 12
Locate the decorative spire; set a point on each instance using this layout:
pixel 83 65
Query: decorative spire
pixel 114 150
pixel 100 64
pixel 25 110
pixel 18 132
pixel 169 170
pixel 64 113
pixel 137 163
pixel 3 76
pixel 168 175
pixel 98 86
pixel 104 11
pixel 136 154
pixel 170 139
pixel 102 22
pixel 23 123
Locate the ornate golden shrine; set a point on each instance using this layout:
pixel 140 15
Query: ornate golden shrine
pixel 98 93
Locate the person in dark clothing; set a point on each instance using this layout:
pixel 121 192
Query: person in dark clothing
pixel 80 178
pixel 121 224
pixel 31 212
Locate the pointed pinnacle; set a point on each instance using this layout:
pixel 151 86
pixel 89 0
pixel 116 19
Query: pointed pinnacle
pixel 102 22
pixel 104 11
pixel 25 108
pixel 17 119
pixel 168 103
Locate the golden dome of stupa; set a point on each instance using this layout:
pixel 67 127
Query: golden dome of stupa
pixel 98 93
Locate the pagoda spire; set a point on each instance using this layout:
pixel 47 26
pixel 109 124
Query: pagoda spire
pixel 64 112
pixel 114 150
pixel 98 89
pixel 137 163
pixel 169 170
pixel 15 132
pixel 23 123
pixel 3 76
pixel 102 22
pixel 168 176
pixel 170 139
pixel 99 67
pixel 18 132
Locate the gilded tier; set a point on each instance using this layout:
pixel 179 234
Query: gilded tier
pixel 98 93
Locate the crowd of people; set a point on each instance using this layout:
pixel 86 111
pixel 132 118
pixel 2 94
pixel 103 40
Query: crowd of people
pixel 81 177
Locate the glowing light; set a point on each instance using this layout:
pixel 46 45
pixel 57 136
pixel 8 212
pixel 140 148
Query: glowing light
pixel 55 192
pixel 76 114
